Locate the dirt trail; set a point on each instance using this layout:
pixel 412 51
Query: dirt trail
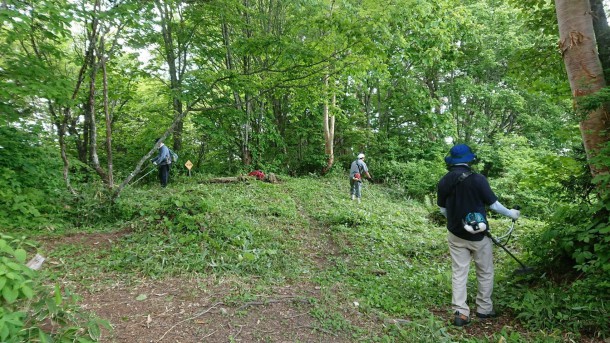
pixel 317 242
pixel 179 310
pixel 195 309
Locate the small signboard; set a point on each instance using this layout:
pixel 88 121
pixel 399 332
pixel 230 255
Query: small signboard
pixel 36 262
pixel 188 166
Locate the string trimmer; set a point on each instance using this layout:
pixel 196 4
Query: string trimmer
pixel 152 169
pixel 524 269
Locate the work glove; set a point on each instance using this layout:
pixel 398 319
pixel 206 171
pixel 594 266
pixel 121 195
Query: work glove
pixel 514 214
pixel 154 163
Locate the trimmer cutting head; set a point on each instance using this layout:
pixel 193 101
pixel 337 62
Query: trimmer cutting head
pixel 523 271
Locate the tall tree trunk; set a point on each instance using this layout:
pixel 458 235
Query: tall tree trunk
pixel 246 154
pixel 242 105
pixel 177 106
pixel 95 162
pixel 329 130
pixel 247 61
pixel 201 151
pixel 384 121
pixel 281 119
pixel 89 130
pixel 60 124
pixel 172 58
pixel 602 34
pixel 367 102
pixel 72 123
pixel 579 51
pixel 110 177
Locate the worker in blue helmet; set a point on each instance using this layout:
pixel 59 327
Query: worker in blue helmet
pixel 462 196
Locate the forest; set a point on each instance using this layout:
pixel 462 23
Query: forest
pixel 296 90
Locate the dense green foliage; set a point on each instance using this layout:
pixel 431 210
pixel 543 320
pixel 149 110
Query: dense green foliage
pixel 29 177
pixel 86 87
pixel 248 82
pixel 250 79
pixel 29 312
pixel 575 244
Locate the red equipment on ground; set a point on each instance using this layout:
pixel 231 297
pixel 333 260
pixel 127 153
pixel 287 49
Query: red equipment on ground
pixel 259 174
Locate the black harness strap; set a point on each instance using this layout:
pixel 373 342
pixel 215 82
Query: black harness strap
pixel 460 178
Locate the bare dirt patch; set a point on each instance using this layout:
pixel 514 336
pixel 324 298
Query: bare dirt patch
pixel 97 240
pixel 197 310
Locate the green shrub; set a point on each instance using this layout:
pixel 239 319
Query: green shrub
pixel 31 186
pixel 579 307
pixel 574 251
pixel 578 238
pixel 520 174
pixel 417 178
pixel 27 307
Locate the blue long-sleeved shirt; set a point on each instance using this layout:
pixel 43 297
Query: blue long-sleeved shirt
pixel 164 157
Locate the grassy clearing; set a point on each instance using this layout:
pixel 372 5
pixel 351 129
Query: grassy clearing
pixel 382 266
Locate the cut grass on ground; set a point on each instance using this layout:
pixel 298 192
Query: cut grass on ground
pixel 253 261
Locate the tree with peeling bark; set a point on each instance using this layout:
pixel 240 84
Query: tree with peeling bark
pixel 579 51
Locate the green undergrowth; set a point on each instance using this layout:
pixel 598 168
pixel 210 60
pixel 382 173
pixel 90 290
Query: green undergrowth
pixel 385 259
pixel 396 263
pixel 241 229
pixel 31 310
pixel 386 250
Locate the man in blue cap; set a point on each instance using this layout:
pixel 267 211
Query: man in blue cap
pixel 461 194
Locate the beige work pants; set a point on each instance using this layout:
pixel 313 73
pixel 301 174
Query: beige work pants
pixel 462 251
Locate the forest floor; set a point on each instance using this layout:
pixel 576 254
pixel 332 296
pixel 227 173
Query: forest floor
pixel 184 310
pixel 192 309
pixel 224 307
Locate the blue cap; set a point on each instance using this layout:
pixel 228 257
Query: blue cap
pixel 460 153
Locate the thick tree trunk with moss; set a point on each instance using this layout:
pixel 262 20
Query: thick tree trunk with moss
pixel 579 51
